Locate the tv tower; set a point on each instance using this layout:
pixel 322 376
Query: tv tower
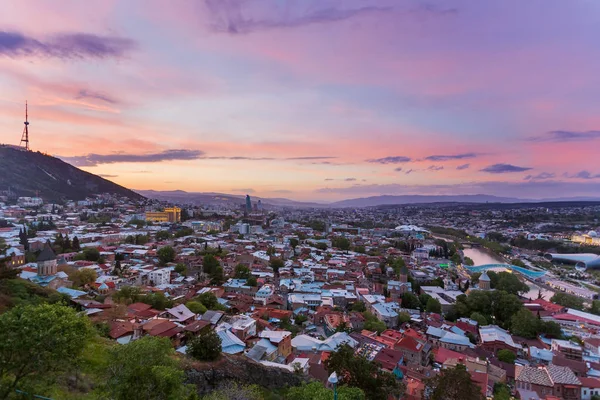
pixel 25 136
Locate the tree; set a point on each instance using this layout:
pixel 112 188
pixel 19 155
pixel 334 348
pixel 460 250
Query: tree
pixel 294 243
pixel 316 391
pixel 91 254
pixel 83 276
pixel 162 235
pixel 196 307
pixel 217 277
pixel 480 318
pixel 410 301
pixel 356 371
pixel 235 391
pixel 341 243
pixel 469 261
pixel 403 318
pixel 251 281
pixel 145 369
pixel 501 391
pixel 343 327
pixel 75 244
pixel 452 384
pixel 271 251
pixel 209 264
pixel 423 299
pixel 38 341
pixel 475 277
pixel 506 356
pixel 510 283
pixel 567 300
pixel 359 306
pixel 128 294
pixel 525 324
pixel 373 324
pixel 209 300
pixel 433 306
pixel 205 347
pixel 166 254
pixel 158 301
pixel 276 264
pixel 181 269
pixel 241 272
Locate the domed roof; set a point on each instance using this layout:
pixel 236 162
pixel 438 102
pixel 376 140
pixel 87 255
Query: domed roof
pixel 484 277
pixel 593 233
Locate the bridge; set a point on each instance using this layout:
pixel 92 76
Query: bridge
pixel 524 271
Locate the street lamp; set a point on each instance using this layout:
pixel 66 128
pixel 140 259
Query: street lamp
pixel 333 379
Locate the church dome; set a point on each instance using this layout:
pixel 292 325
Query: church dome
pixel 593 233
pixel 484 277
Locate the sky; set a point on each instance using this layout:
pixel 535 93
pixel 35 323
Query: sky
pixel 311 99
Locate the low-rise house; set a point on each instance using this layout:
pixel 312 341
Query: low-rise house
pixel 493 339
pixel 549 380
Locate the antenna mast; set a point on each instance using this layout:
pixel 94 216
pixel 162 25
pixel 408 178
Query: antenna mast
pixel 25 136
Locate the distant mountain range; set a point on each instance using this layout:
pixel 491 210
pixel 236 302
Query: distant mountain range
pixel 28 173
pixel 180 196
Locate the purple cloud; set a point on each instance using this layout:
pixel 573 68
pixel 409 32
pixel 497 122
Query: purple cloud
pixel 451 157
pixel 350 179
pixel 107 176
pixel 539 177
pixel 244 190
pixel 390 160
pixel 504 168
pixel 88 94
pixel 584 175
pixel 435 168
pixel 464 166
pixel 65 46
pixel 566 136
pixel 311 158
pixel 92 160
pixel 398 169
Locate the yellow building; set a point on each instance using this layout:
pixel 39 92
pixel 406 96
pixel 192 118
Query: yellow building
pixel 170 214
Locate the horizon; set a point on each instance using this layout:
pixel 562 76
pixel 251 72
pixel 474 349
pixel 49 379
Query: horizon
pixel 316 101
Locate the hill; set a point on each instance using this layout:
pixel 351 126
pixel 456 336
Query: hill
pixel 28 173
pixel 422 199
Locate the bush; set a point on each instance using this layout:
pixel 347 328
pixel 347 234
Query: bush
pixel 205 347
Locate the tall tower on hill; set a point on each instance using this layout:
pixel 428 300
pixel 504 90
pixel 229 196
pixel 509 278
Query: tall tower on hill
pixel 25 135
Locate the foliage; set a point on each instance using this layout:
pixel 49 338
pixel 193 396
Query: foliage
pixel 83 276
pixel 506 356
pixel 501 391
pixel 235 391
pixel 527 325
pixel 241 272
pixel 210 301
pixel 452 384
pixel 158 301
pixel 91 254
pixel 469 261
pixel 209 264
pixel 196 307
pixel 356 371
pixel 181 269
pixel 507 282
pixel 251 281
pixel 166 254
pixel 433 306
pixel 341 243
pixel 497 307
pixel 480 318
pixel 373 324
pixel 276 264
pixel 410 301
pixel 128 294
pixel 316 391
pixel 403 317
pixel 595 307
pixel 294 243
pixel 359 306
pixel 205 347
pixel 567 300
pixel 475 277
pixel 185 231
pixel 162 235
pixel 145 369
pixel 38 341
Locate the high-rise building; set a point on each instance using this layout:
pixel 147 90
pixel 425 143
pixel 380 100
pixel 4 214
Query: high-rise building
pixel 259 205
pixel 248 204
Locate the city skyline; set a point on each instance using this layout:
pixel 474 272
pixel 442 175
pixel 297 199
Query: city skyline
pixel 310 100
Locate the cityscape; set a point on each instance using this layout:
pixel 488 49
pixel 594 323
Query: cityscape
pixel 296 200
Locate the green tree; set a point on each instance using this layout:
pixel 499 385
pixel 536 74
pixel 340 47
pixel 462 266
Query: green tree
pixel 235 391
pixel 510 283
pixel 506 356
pixel 525 324
pixel 162 235
pixel 410 301
pixel 166 254
pixel 209 264
pixel 158 301
pixel 423 299
pixel 469 261
pixel 294 243
pixel 452 384
pixel 359 306
pixel 83 276
pixel 241 272
pixel 501 391
pixel 356 371
pixel 480 318
pixel 403 318
pixel 181 269
pixel 567 300
pixel 316 391
pixel 145 369
pixel 217 277
pixel 276 264
pixel 373 324
pixel 341 243
pixel 75 244
pixel 209 300
pixel 433 306
pixel 128 294
pixel 91 254
pixel 475 277
pixel 205 347
pixel 251 281
pixel 196 307
pixel 37 342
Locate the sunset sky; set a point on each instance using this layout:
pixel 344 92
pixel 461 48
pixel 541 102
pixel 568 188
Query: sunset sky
pixel 311 99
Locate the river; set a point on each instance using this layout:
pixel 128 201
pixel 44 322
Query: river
pixel 482 257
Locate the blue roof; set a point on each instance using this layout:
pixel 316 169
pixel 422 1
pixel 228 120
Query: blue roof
pixel 71 292
pixel 230 343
